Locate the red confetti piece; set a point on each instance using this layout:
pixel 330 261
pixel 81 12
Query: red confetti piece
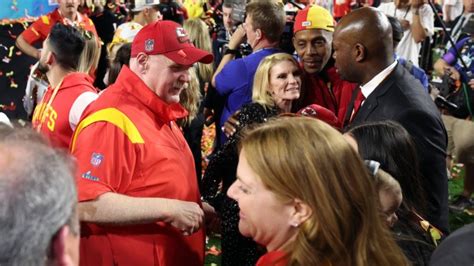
pixel 12 35
pixel 11 107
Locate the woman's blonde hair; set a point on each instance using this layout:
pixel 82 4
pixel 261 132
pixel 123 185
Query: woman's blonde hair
pixel 190 98
pixel 90 54
pixel 199 35
pixel 261 81
pixel 303 158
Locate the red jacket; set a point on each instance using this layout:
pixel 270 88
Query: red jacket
pixel 57 121
pixel 128 143
pixel 330 92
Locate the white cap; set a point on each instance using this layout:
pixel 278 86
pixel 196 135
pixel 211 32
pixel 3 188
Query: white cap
pixel 142 4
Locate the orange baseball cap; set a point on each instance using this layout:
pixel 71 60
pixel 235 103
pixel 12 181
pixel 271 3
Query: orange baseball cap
pixel 313 17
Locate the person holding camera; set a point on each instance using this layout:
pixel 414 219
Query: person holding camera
pixel 233 79
pixel 417 19
pixel 458 126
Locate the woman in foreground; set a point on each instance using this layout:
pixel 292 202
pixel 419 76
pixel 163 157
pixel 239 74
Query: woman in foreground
pixel 306 196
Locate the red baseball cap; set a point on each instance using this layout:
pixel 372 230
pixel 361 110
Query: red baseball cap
pixel 168 38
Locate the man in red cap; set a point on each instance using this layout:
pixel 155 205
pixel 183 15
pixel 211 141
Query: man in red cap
pixel 138 195
pixel 312 40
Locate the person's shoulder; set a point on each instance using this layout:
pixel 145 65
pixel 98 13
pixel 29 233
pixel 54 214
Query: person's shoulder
pixel 49 19
pixel 257 110
pixel 408 93
pixel 456 249
pixel 426 9
pixel 234 67
pixel 54 16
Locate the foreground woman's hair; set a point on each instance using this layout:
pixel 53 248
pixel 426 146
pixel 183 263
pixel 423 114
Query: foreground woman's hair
pixel 305 159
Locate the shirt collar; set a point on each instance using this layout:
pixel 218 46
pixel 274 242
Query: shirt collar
pixel 137 88
pixel 370 86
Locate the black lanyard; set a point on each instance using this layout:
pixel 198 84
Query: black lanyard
pixel 406 13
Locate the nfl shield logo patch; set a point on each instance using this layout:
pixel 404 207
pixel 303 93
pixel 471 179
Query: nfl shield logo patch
pixel 149 45
pixel 96 159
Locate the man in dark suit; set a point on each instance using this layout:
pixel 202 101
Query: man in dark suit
pixel 363 52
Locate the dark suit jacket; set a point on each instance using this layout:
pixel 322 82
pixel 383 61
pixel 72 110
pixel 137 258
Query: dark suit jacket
pixel 401 98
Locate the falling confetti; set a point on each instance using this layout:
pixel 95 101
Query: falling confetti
pixel 10 53
pixel 13 84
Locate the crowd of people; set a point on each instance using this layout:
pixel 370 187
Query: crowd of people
pixel 333 145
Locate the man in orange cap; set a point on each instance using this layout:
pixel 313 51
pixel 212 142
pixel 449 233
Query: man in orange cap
pixel 312 40
pixel 137 186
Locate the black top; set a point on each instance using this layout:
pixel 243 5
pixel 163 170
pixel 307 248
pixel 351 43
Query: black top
pixel 236 249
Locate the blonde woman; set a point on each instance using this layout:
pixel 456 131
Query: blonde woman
pixel 192 130
pixel 277 85
pixel 304 194
pixel 89 59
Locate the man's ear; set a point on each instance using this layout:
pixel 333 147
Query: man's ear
pixel 50 58
pixel 61 249
pixel 258 34
pixel 142 60
pixel 301 213
pixel 360 52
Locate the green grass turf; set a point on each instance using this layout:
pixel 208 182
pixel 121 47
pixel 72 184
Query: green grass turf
pixel 457 220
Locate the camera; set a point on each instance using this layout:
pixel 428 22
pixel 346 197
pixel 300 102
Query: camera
pixel 455 98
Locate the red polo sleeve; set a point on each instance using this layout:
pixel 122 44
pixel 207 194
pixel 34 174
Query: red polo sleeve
pixel 38 31
pixel 106 160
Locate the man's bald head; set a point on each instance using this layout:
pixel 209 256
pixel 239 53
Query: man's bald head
pixel 362 39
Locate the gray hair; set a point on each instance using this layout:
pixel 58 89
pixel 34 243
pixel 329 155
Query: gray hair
pixel 37 195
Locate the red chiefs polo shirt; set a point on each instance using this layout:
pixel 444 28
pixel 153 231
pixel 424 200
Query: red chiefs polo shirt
pixel 39 30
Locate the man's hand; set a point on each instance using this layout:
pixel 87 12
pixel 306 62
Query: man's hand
pixel 453 72
pixel 231 125
pixel 212 220
pixel 237 38
pixel 208 116
pixel 405 24
pixel 471 84
pixel 185 216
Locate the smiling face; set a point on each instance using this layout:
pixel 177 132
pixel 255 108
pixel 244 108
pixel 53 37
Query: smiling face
pixel 285 81
pixel 263 217
pixel 313 46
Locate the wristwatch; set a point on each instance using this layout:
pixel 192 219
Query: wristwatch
pixel 230 51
